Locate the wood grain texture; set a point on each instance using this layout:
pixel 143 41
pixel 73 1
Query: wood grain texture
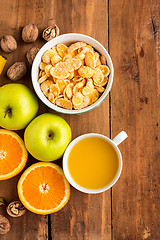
pixel 131 210
pixel 85 216
pixel 14 15
pixel 135 104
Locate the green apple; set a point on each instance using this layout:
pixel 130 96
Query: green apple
pixel 18 106
pixel 47 137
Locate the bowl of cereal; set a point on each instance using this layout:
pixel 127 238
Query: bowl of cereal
pixel 72 73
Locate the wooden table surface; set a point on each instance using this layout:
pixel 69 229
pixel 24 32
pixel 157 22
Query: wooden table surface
pixel 129 29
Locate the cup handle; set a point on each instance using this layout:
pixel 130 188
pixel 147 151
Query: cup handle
pixel 120 138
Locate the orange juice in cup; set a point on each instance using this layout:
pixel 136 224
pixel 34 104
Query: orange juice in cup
pixel 92 162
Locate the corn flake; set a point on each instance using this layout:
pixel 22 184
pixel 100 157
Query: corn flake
pixel 77 79
pixel 75 46
pixel 90 60
pixel 100 89
pixel 42 79
pixel 61 83
pixel 60 96
pixel 43 73
pixel 93 96
pixel 105 70
pixel 47 70
pixel 97 76
pixel 68 91
pixel 62 50
pixel 46 58
pixel 104 82
pixel 80 56
pixel 60 70
pixel 55 90
pixel 76 63
pixel 85 102
pixel 90 83
pixel 64 103
pixel 50 97
pixel 97 59
pixel 103 60
pixel 73 64
pixel 67 81
pixel 45 86
pixel 55 59
pixel 77 98
pixel 87 48
pixel 67 57
pixel 88 88
pixel 42 65
pixel 85 72
pixel 86 91
pixel 51 52
pixel 40 73
pixel 71 75
pixel 78 86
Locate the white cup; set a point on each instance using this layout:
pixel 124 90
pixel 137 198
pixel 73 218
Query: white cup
pixel 115 142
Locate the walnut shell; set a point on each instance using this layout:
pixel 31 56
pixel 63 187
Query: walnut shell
pixel 16 209
pixel 4 225
pixel 8 43
pixel 31 53
pixel 50 32
pixel 30 33
pixel 17 71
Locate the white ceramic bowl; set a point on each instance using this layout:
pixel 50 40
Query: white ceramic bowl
pixel 68 39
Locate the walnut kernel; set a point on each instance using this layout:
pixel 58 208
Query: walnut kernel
pixel 16 209
pixel 50 33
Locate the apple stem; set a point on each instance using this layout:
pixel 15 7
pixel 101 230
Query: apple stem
pixel 50 135
pixel 7 112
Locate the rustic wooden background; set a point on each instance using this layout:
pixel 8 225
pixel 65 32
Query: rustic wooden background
pixel 129 29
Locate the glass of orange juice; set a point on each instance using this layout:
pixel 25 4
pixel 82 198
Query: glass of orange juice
pixel 92 162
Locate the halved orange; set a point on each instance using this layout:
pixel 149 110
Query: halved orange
pixel 13 154
pixel 43 188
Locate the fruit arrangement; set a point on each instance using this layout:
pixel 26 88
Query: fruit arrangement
pixel 42 188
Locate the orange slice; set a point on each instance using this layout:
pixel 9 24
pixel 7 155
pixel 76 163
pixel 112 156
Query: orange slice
pixel 43 188
pixel 13 154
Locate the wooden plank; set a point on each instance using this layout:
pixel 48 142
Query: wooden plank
pixel 85 216
pixel 14 15
pixel 133 41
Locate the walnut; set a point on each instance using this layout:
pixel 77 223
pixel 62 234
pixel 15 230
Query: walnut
pixel 8 43
pixel 30 33
pixel 17 71
pixel 50 32
pixel 31 53
pixel 16 209
pixel 4 225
